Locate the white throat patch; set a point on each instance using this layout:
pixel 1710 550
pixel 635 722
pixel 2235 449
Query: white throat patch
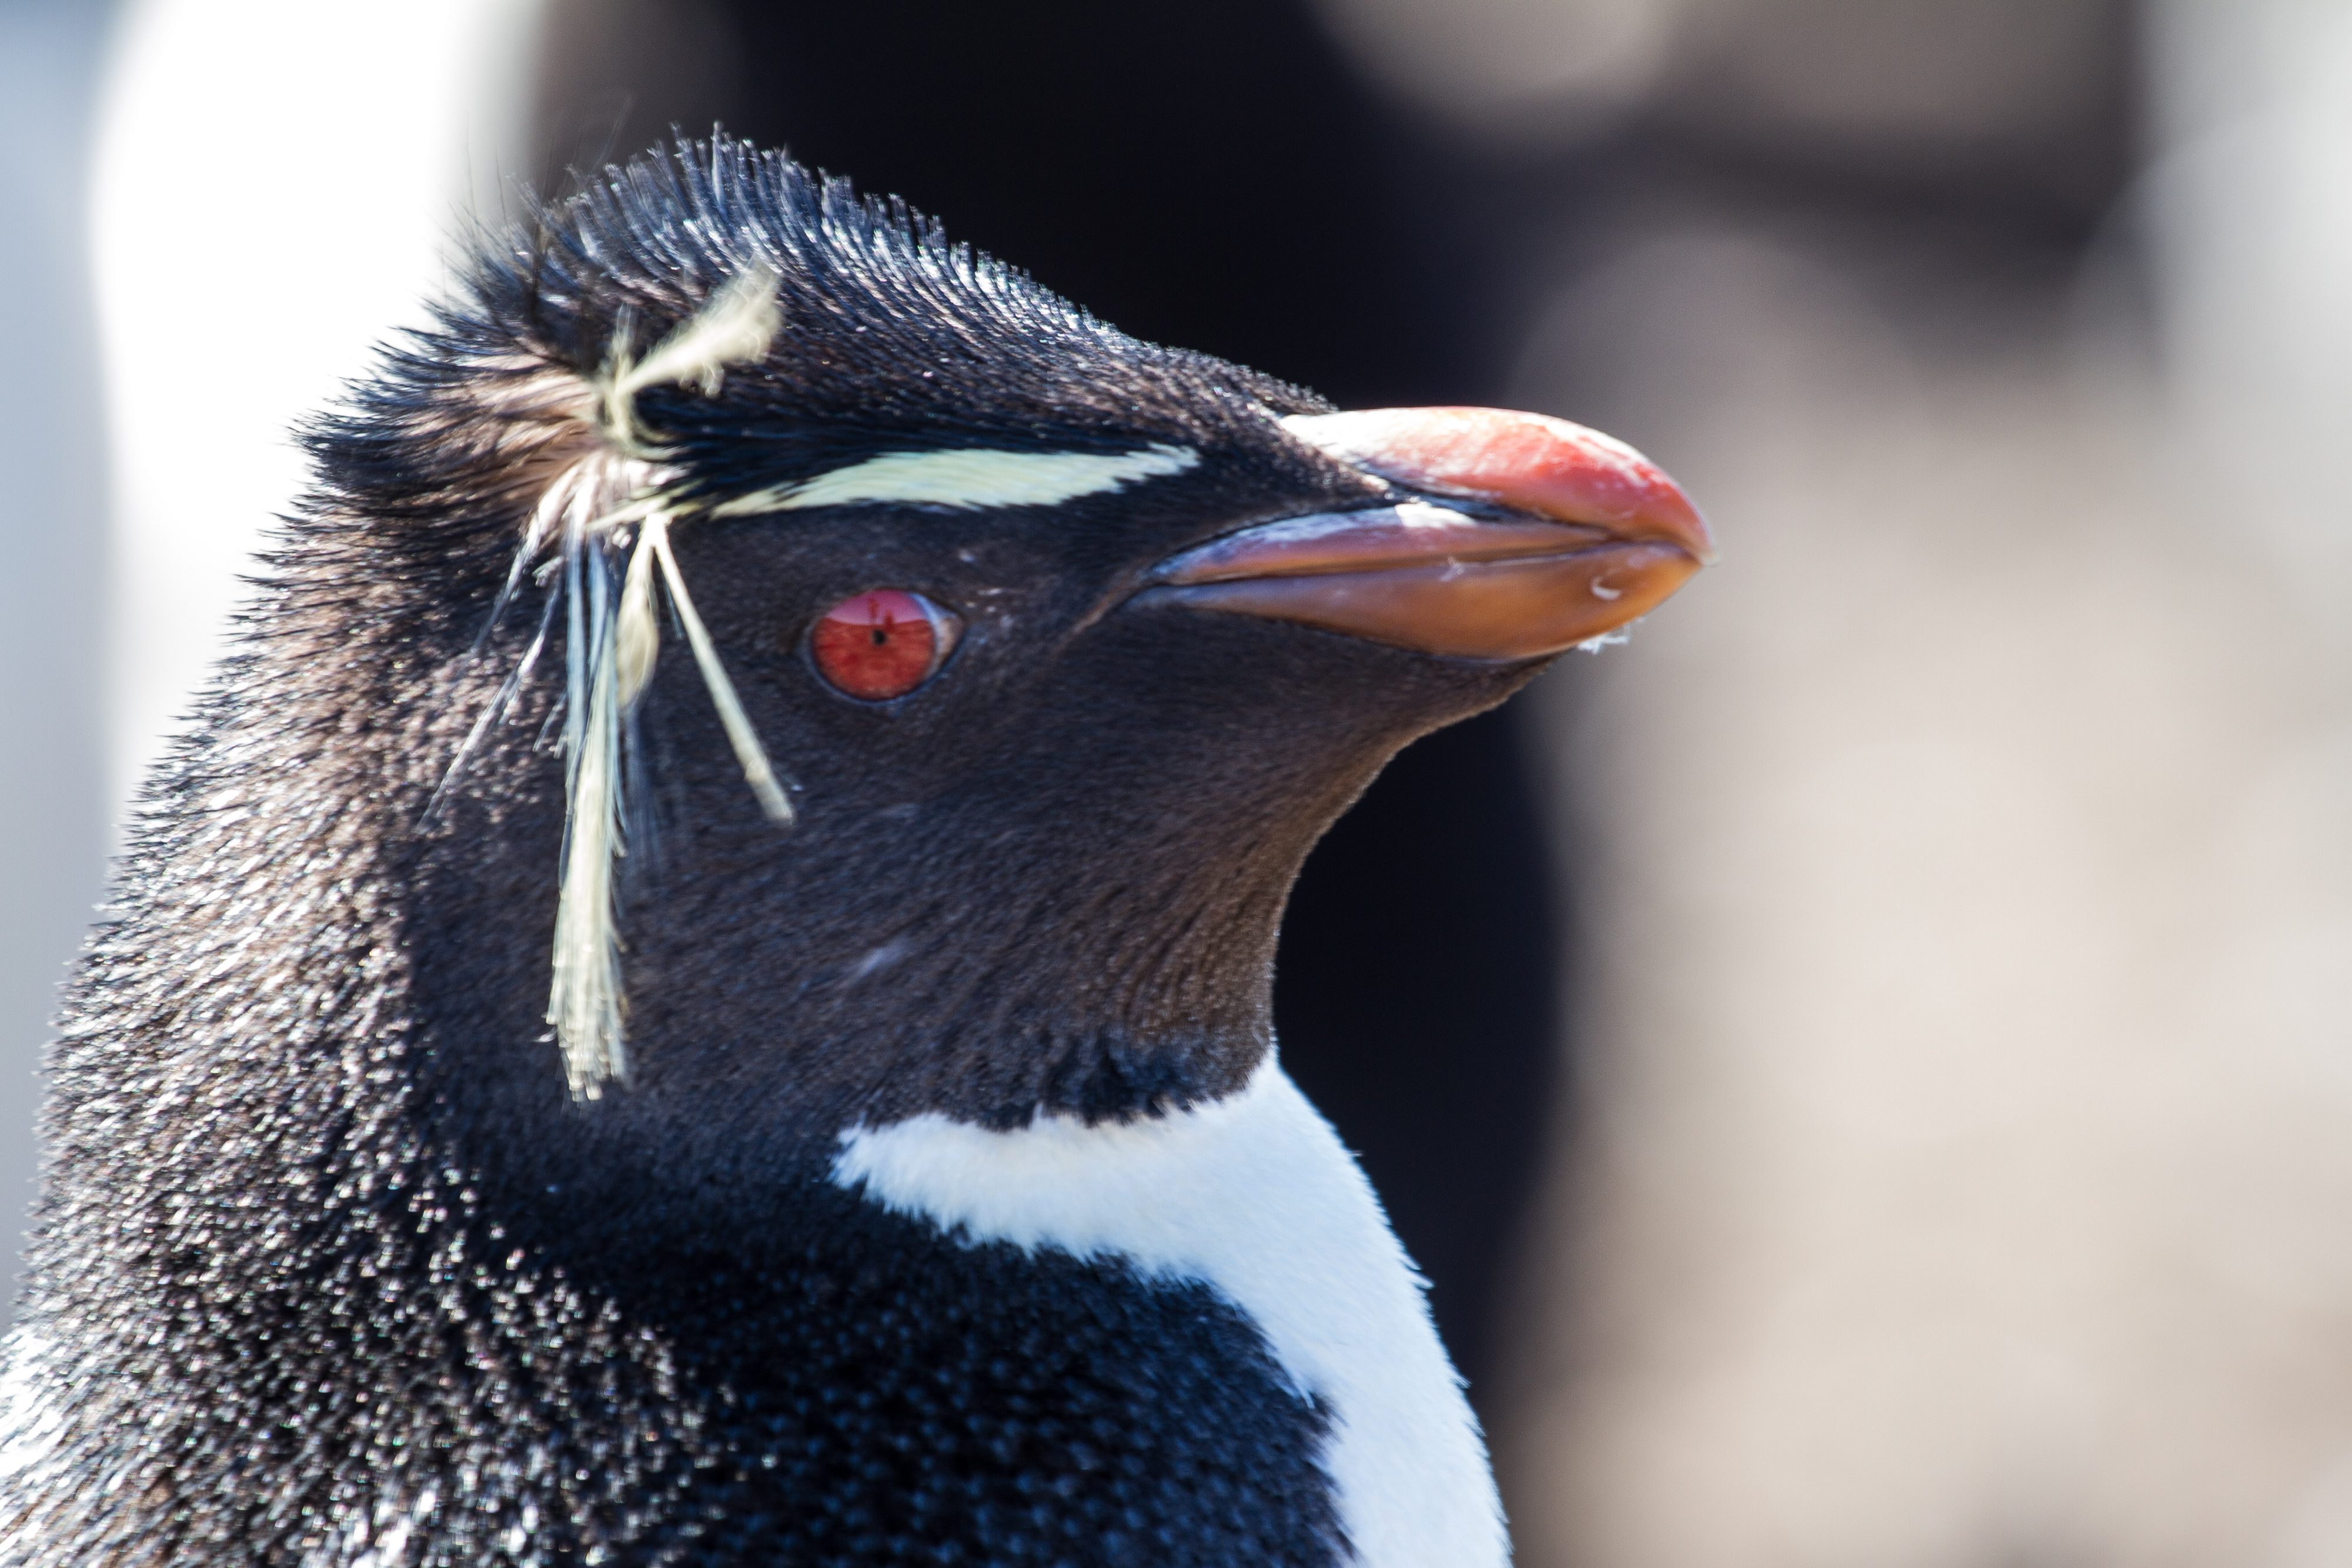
pixel 968 477
pixel 1254 1197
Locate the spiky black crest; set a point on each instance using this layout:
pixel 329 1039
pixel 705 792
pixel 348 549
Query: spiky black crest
pixel 887 332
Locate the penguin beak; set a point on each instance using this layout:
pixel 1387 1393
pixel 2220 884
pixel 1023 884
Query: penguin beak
pixel 1570 535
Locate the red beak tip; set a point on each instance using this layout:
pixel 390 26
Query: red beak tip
pixel 1550 467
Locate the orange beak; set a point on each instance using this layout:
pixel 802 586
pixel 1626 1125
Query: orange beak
pixel 1570 535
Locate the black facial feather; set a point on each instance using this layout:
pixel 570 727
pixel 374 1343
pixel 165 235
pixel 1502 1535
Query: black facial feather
pixel 330 1263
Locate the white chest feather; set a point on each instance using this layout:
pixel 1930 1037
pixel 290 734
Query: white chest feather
pixel 1254 1197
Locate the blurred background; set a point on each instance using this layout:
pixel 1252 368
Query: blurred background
pixel 1867 1065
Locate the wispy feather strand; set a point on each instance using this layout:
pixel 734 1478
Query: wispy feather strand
pixel 612 643
pixel 585 1003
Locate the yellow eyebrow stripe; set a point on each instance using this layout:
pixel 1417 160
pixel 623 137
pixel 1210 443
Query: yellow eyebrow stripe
pixel 969 477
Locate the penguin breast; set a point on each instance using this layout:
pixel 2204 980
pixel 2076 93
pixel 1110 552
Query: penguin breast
pixel 1253 1197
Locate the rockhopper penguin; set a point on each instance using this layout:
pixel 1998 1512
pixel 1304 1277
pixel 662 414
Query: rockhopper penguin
pixel 486 1131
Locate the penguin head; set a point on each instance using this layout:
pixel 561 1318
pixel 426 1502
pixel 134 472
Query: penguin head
pixel 974 678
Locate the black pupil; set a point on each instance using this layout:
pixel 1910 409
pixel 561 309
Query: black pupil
pixel 881 633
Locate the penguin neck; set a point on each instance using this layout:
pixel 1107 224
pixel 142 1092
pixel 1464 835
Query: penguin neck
pixel 770 1013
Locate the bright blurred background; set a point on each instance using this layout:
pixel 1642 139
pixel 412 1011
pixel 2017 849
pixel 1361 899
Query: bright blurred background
pixel 1935 1150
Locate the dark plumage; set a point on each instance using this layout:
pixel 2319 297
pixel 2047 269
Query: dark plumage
pixel 331 1268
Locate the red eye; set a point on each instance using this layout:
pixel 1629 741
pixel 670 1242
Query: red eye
pixel 881 645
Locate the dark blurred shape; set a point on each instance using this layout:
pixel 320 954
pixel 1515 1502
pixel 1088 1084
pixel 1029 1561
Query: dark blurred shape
pixel 2028 105
pixel 1215 174
pixel 1418 1000
pixel 2025 104
pixel 614 75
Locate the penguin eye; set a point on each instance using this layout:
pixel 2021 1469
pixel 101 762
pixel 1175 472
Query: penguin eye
pixel 881 643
